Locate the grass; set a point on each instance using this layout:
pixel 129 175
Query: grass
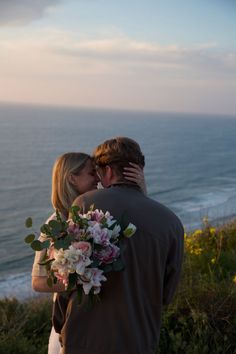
pixel 25 326
pixel 201 320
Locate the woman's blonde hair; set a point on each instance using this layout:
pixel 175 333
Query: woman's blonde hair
pixel 64 192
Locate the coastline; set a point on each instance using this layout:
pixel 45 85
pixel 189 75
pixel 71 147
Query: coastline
pixel 19 285
pixel 201 315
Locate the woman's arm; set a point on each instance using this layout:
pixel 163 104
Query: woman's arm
pixel 39 283
pixel 134 173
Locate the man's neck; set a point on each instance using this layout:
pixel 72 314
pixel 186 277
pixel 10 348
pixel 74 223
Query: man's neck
pixel 124 184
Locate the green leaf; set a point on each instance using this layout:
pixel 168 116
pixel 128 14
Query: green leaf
pixel 58 216
pixel 95 263
pixel 29 238
pixel 36 245
pixel 50 282
pixel 28 222
pixel 62 243
pixel 75 209
pixel 118 265
pixel 72 281
pixel 107 268
pixel 46 262
pixel 45 229
pixel 45 244
pixel 55 227
pixel 69 238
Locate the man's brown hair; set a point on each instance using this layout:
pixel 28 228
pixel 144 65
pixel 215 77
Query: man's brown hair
pixel 118 152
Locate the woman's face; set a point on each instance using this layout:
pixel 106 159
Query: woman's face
pixel 87 179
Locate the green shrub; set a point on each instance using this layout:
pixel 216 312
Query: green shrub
pixel 201 319
pixel 24 326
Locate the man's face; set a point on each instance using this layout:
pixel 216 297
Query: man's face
pixel 104 174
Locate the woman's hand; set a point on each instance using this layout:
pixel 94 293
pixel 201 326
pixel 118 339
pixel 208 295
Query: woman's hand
pixel 134 173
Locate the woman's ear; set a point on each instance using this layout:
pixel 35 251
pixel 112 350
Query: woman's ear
pixel 72 179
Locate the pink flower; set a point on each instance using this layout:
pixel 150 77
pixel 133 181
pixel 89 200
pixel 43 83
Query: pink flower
pixel 73 229
pixel 84 246
pixel 108 254
pixel 97 215
pixel 100 235
pixel 62 278
pixel 92 279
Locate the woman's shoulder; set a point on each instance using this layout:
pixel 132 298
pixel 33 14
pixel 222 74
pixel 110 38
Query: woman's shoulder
pixel 53 216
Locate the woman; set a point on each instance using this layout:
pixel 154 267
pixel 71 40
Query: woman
pixel 73 174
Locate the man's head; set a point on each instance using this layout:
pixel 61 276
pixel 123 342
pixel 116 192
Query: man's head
pixel 113 155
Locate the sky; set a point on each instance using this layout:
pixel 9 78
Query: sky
pixel 152 55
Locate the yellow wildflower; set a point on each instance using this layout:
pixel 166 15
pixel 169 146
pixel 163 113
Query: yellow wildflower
pixel 213 260
pixel 197 233
pixel 234 279
pixel 198 251
pixel 212 230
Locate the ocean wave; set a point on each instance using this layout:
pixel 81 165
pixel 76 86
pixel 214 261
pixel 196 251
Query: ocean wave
pixel 17 285
pixel 205 201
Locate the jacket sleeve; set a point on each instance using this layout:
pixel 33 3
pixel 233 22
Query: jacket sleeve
pixel 173 264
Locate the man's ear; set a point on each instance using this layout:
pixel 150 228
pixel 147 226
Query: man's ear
pixel 109 172
pixel 107 176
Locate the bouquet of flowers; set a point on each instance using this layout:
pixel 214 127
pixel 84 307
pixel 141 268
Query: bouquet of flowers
pixel 81 250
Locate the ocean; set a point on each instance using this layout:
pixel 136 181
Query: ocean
pixel 190 167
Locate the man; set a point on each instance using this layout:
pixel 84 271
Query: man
pixel 127 320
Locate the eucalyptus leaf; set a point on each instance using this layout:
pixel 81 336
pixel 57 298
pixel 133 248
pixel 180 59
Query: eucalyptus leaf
pixel 70 238
pixel 62 243
pixel 107 268
pixel 50 282
pixel 118 265
pixel 58 216
pixel 45 244
pixel 45 229
pixel 36 245
pixel 95 263
pixel 72 281
pixel 75 209
pixel 29 238
pixel 28 222
pixel 48 261
pixel 55 227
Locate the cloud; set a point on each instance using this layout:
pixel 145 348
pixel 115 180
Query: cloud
pixel 204 59
pixel 50 47
pixel 116 71
pixel 22 12
pixel 58 53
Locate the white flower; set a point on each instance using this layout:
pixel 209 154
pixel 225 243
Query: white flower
pixel 92 279
pixel 80 266
pixel 116 231
pixel 100 235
